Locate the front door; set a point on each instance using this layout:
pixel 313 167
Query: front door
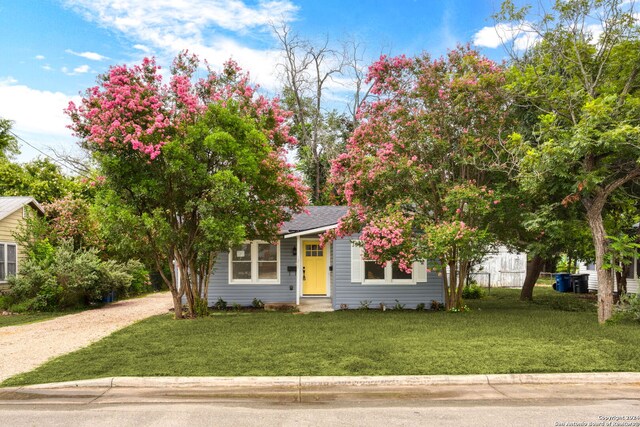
pixel 314 268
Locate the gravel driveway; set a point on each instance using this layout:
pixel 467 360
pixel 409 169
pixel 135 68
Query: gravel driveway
pixel 25 347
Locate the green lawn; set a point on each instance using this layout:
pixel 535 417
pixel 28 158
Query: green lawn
pixel 21 319
pixel 557 333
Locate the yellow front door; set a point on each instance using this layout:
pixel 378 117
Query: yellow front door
pixel 314 267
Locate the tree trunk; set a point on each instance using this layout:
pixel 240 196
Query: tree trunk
pixel 534 267
pixel 605 278
pixel 453 282
pixel 176 293
pixel 622 278
pixel 317 192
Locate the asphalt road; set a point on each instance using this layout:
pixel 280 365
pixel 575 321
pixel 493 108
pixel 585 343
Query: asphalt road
pixel 379 413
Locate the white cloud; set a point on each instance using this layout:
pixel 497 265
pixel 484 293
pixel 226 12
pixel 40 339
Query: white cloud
pixel 47 67
pixel 6 81
pixel 88 55
pixel 169 26
pixel 81 69
pixel 142 48
pixel 37 116
pixel 520 35
pixel 39 57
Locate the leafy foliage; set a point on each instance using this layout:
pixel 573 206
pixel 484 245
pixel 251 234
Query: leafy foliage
pixel 580 91
pixel 71 278
pixel 8 143
pixel 472 291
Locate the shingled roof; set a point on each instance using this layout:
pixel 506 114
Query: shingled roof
pixel 318 217
pixel 9 205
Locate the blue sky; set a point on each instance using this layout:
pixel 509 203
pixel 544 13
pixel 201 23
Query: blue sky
pixel 51 50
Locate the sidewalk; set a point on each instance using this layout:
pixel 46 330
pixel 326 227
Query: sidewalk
pixel 510 387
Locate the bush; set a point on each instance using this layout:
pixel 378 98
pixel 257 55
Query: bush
pixel 629 307
pixel 436 306
pixel 140 279
pixel 201 308
pixel 257 303
pixel 472 291
pixel 365 304
pixel 71 278
pixel 421 306
pixel 220 304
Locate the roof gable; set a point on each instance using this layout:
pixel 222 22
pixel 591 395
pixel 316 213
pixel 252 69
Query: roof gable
pixel 317 217
pixel 9 205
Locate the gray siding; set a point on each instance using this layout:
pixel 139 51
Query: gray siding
pixel 351 294
pixel 219 286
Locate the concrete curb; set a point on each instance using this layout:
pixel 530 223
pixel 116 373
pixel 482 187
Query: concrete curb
pixel 303 382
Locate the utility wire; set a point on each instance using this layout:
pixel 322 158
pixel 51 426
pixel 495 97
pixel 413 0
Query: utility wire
pixel 53 159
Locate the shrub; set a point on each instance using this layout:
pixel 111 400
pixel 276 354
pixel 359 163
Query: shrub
pixel 257 303
pixel 365 304
pixel 436 306
pixel 220 304
pixel 398 306
pixel 420 307
pixel 69 278
pixel 459 310
pixel 201 308
pixel 140 279
pixel 472 291
pixel 629 307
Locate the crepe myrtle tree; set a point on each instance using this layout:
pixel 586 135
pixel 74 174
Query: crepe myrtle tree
pixel 196 166
pixel 421 171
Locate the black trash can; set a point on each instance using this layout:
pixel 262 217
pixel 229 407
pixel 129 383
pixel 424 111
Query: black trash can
pixel 580 283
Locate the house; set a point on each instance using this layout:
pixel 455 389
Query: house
pixel 13 210
pixel 633 273
pixel 633 276
pixel 297 270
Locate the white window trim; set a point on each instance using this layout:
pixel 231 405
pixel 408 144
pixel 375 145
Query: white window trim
pixel 6 259
pixel 388 278
pixel 254 266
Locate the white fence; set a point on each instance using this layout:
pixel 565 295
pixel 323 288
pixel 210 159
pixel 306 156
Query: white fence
pixel 501 269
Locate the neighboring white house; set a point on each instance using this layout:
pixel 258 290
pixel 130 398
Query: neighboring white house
pixel 502 268
pixel 633 276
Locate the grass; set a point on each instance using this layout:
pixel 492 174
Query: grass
pixel 556 333
pixel 22 319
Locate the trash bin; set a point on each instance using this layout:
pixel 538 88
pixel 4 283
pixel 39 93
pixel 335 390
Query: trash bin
pixel 110 297
pixel 580 283
pixel 563 282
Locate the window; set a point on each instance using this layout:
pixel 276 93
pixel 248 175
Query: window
pixel 255 262
pixel 8 260
pixel 375 273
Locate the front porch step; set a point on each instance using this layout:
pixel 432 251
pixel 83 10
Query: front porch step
pixel 310 304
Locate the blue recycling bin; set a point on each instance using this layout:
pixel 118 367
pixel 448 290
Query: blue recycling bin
pixel 563 282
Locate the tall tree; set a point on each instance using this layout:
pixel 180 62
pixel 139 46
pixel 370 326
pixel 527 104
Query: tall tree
pixel 197 167
pixel 312 75
pixel 581 80
pixel 307 70
pixel 422 169
pixel 8 143
pixel 40 178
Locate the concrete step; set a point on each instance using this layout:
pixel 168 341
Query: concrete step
pixel 309 305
